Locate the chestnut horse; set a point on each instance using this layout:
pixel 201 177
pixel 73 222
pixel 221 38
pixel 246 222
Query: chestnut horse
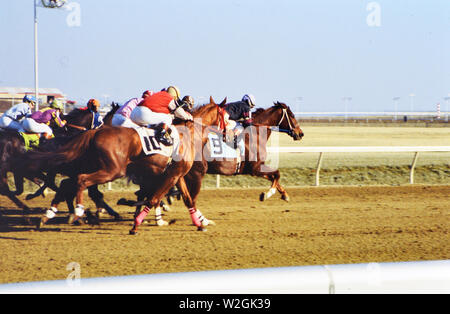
pixel 104 155
pixel 278 117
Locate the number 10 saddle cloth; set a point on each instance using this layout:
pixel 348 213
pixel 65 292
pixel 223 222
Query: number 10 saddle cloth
pixel 151 145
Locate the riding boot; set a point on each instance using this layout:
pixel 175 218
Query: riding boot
pixel 163 134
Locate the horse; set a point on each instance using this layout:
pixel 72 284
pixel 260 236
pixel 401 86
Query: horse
pixel 279 117
pixel 106 154
pixel 77 120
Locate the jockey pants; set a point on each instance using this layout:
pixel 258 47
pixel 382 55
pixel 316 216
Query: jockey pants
pixel 121 120
pixel 32 126
pixel 143 116
pixel 10 124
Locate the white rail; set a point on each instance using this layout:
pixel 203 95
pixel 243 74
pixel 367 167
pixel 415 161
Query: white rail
pixel 404 277
pixel 357 149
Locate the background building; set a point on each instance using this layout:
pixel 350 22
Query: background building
pixel 10 96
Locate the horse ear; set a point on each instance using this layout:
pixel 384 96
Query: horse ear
pixel 211 100
pixel 223 102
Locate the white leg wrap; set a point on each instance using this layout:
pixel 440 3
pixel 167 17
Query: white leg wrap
pixel 79 210
pixel 271 192
pixel 203 220
pixel 51 213
pixel 158 215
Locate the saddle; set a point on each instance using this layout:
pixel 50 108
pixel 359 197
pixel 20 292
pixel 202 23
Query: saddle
pixel 30 140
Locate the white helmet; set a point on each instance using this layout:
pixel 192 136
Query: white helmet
pixel 250 99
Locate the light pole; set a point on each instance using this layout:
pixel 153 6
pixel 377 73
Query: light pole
pixel 36 76
pixel 447 100
pixel 395 99
pixel 346 102
pixel 412 102
pixel 57 4
pixel 298 100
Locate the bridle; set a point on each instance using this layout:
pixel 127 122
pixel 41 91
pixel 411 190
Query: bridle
pixel 277 128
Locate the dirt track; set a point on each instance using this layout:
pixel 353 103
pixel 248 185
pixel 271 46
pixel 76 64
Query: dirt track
pixel 326 225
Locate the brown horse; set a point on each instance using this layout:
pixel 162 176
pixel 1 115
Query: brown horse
pixel 103 155
pixel 278 117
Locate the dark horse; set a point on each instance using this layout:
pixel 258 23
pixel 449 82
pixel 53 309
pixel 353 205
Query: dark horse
pixel 78 120
pixel 14 156
pixel 103 155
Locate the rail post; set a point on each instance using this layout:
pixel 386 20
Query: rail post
pixel 413 165
pixel 319 164
pixel 218 181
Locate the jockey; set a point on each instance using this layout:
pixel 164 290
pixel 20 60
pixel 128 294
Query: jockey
pixel 157 110
pixel 11 118
pixel 39 122
pixel 122 115
pixel 239 110
pixel 188 102
pixel 93 105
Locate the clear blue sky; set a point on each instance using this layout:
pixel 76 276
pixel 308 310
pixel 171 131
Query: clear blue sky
pixel 320 50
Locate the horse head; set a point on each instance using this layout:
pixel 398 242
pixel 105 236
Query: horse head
pixel 108 117
pixel 284 118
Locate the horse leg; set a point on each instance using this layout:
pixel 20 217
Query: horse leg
pixel 18 182
pixel 189 195
pixel 100 203
pixel 4 190
pixel 86 180
pixel 64 193
pixel 274 177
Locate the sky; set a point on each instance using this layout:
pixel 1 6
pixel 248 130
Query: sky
pixel 309 54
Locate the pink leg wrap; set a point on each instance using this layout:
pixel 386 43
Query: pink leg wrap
pixel 194 217
pixel 140 218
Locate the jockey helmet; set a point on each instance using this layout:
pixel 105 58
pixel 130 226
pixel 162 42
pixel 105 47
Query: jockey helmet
pixel 250 99
pixel 147 93
pixel 29 98
pixel 93 103
pixel 56 105
pixel 174 92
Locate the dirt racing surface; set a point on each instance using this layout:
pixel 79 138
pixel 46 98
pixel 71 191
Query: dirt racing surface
pixel 323 225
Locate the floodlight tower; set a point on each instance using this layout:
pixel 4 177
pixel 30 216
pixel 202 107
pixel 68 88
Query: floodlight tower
pixel 346 100
pixel 447 100
pixel 298 100
pixel 395 99
pixel 412 101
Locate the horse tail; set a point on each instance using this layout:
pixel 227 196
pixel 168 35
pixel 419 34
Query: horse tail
pixel 72 151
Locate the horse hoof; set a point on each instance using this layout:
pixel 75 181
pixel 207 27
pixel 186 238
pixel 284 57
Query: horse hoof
pixel 29 197
pixel 208 223
pixel 262 197
pixel 202 229
pixel 41 222
pixel 285 197
pixel 162 223
pixel 132 232
pixel 166 208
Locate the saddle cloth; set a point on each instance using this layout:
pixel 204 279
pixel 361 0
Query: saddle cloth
pixel 218 149
pixel 151 144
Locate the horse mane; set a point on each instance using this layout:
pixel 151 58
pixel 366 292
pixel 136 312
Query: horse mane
pixel 199 110
pixel 258 111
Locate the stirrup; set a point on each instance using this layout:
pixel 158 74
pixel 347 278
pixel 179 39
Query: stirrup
pixel 165 139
